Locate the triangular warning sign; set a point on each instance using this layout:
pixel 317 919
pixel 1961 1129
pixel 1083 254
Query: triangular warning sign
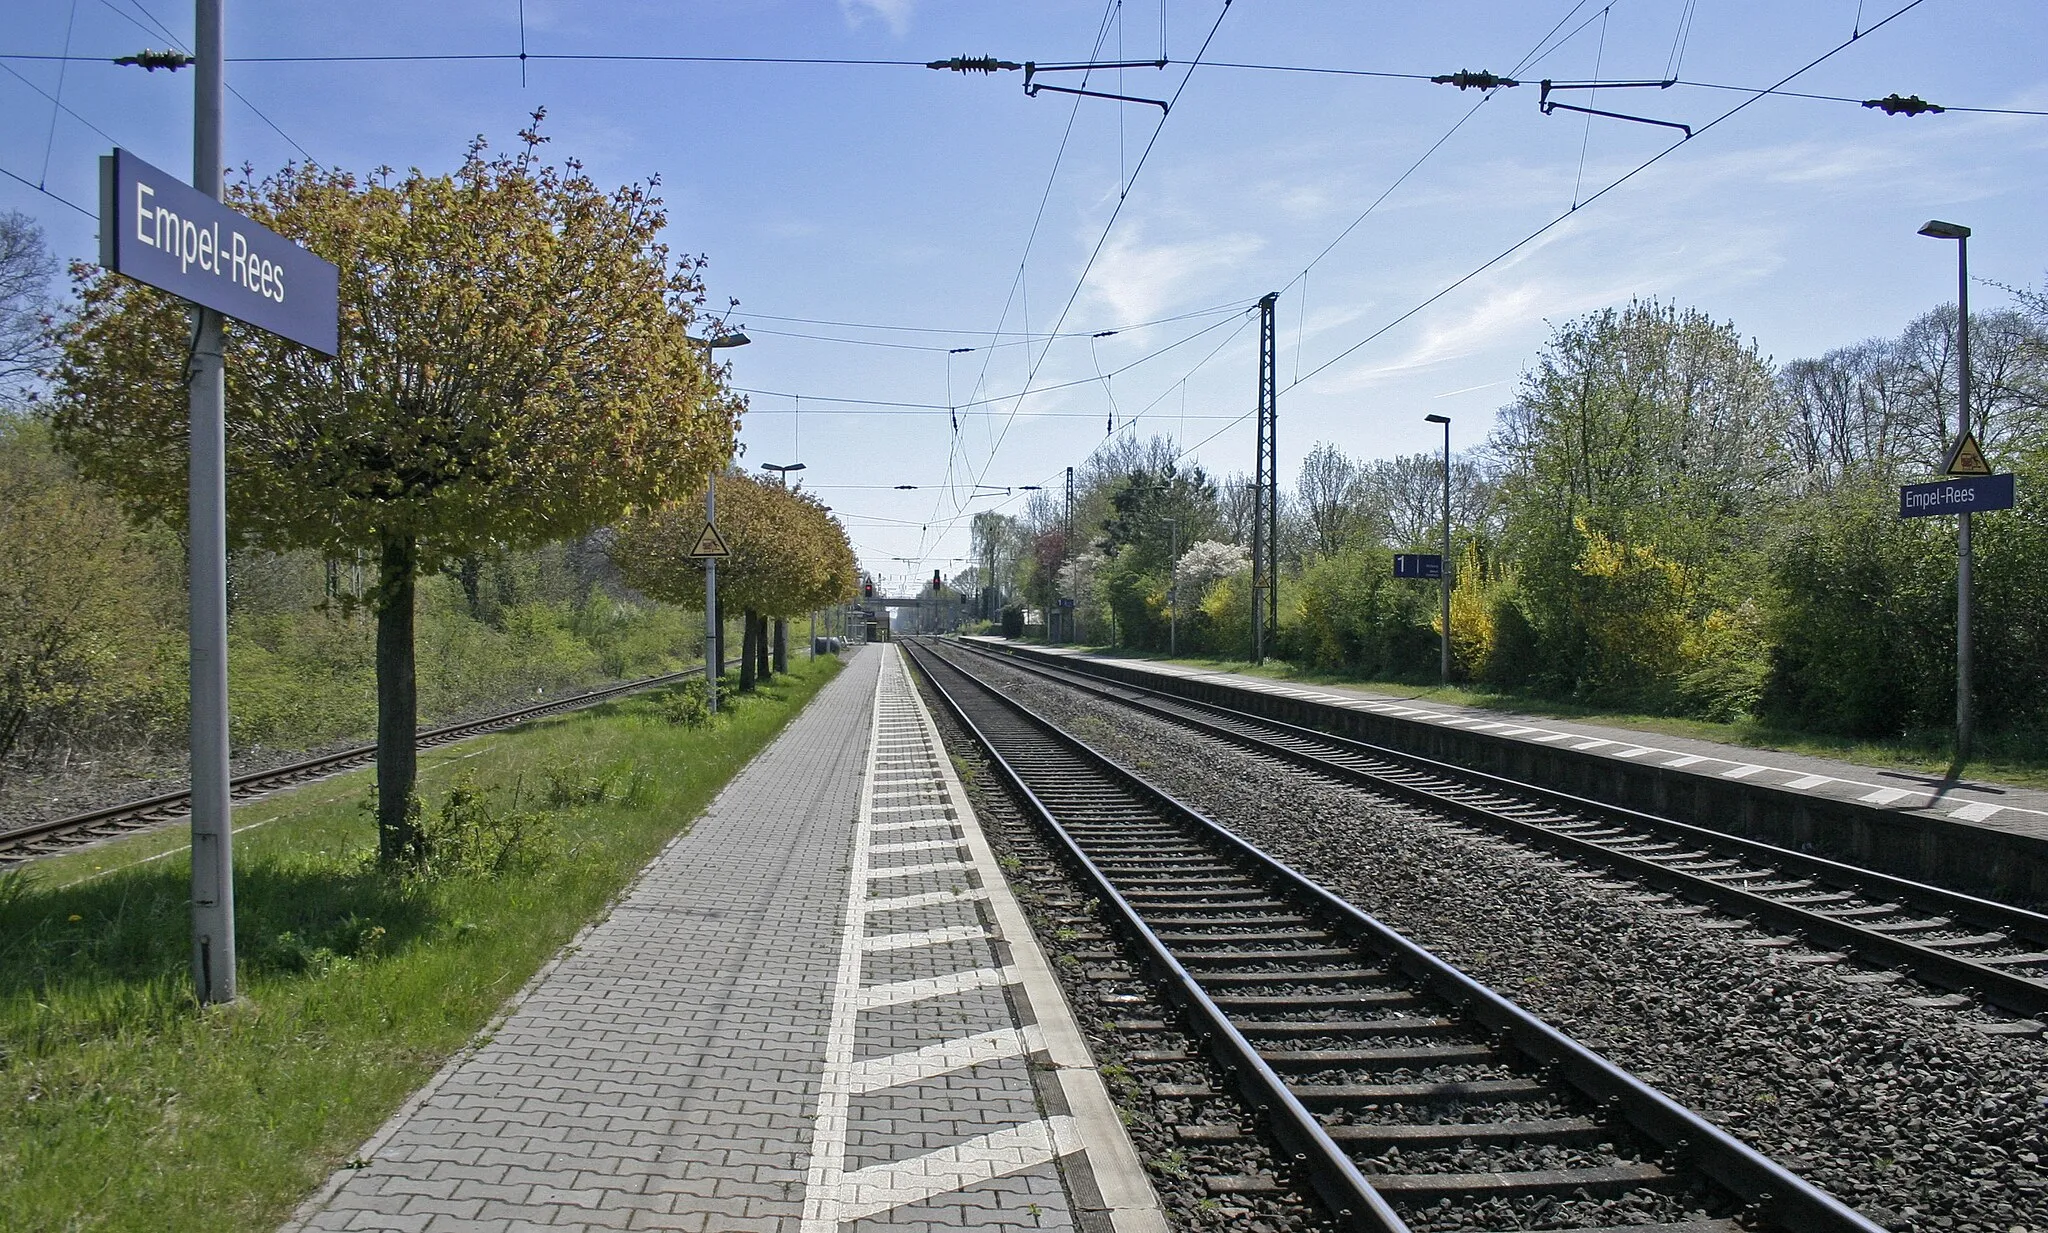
pixel 1967 459
pixel 710 543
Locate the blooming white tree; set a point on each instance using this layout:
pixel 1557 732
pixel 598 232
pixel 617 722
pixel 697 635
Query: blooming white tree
pixel 1203 564
pixel 1078 583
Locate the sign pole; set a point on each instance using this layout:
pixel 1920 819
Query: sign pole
pixel 713 661
pixel 213 888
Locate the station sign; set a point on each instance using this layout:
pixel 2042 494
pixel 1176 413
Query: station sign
pixel 156 229
pixel 1418 565
pixel 1963 494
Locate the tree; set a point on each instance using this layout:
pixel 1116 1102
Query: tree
pixel 1634 460
pixel 514 368
pixel 81 611
pixel 789 556
pixel 25 272
pixel 1329 500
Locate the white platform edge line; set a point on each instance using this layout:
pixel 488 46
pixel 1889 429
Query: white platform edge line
pixel 879 1188
pixel 823 1190
pixel 1113 1160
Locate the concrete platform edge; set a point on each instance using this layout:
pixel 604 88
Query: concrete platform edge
pixel 1972 857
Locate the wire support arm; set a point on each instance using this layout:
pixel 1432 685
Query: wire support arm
pixel 1548 105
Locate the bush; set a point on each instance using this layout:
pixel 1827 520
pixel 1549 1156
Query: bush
pixel 472 836
pixel 1514 658
pixel 687 705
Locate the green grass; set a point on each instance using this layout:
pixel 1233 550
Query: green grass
pixel 2006 759
pixel 122 1106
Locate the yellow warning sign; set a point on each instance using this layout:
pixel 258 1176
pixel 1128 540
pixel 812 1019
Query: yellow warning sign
pixel 1967 459
pixel 710 543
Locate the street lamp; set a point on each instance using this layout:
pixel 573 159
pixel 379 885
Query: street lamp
pixel 782 470
pixel 714 631
pixel 1444 574
pixel 1965 724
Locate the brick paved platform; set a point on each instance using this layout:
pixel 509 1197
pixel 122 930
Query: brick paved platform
pixel 818 1010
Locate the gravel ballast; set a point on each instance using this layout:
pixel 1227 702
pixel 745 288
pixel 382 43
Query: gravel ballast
pixel 1909 1113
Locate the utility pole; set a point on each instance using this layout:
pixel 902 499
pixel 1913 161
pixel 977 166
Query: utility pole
pixel 213 861
pixel 1066 547
pixel 1266 491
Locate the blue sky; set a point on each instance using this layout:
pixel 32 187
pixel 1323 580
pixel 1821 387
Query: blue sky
pixel 955 207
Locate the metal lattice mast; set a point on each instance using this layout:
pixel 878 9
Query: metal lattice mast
pixel 1266 491
pixel 1066 553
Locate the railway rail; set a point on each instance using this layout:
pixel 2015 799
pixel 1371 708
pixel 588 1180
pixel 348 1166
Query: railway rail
pixel 1396 1083
pixel 1976 948
pixel 40 838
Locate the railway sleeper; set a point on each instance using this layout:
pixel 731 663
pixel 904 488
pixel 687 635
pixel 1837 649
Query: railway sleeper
pixel 1600 1182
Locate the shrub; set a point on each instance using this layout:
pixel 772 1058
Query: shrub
pixel 473 836
pixel 687 705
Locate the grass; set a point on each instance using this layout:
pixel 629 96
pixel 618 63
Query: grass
pixel 123 1106
pixel 2011 760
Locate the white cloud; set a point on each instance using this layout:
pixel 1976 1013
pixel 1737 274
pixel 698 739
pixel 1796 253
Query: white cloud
pixel 893 13
pixel 1134 281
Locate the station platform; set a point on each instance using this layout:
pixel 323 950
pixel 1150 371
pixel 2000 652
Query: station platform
pixel 1969 801
pixel 818 1010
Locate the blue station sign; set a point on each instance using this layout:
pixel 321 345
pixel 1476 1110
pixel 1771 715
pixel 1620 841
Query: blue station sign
pixel 1418 565
pixel 1959 494
pixel 156 229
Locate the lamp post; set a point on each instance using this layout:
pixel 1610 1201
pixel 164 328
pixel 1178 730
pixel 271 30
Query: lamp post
pixel 1965 721
pixel 714 631
pixel 782 471
pixel 1444 575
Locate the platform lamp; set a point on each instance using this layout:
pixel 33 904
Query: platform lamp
pixel 714 634
pixel 1444 574
pixel 1965 720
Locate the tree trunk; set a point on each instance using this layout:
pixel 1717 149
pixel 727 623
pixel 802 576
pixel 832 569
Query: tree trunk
pixel 747 650
pixel 399 841
pixel 761 666
pixel 781 644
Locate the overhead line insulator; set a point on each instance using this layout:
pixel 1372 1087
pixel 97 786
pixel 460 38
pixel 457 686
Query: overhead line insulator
pixel 154 60
pixel 974 64
pixel 1910 105
pixel 1465 79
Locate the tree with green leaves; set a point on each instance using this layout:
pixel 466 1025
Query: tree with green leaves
pixel 789 556
pixel 515 367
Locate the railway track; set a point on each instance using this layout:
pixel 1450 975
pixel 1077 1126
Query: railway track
pixel 37 839
pixel 1975 948
pixel 1396 1084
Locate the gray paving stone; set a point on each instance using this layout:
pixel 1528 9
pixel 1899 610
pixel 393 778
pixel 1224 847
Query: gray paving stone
pixel 665 1072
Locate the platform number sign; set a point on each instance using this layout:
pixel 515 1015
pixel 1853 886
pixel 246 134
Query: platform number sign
pixel 1418 565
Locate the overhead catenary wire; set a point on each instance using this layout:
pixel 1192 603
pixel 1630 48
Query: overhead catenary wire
pixel 998 398
pixel 160 29
pixel 1123 195
pixel 32 186
pixel 1617 182
pixel 1019 291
